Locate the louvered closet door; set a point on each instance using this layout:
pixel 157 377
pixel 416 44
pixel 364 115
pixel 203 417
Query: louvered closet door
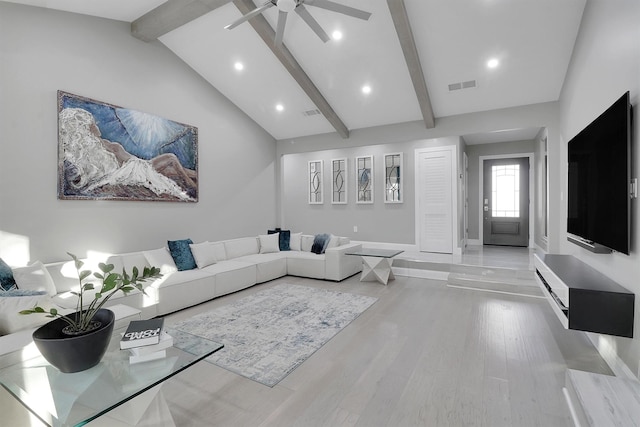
pixel 435 199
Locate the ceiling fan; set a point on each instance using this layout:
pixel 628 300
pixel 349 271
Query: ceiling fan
pixel 286 6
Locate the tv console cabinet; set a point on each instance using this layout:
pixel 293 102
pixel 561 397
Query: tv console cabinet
pixel 583 298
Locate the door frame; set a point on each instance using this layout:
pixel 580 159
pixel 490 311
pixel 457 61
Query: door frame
pixel 481 191
pixel 454 197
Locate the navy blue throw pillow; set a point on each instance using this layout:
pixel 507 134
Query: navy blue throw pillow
pixel 320 243
pixel 6 276
pixel 181 254
pixel 285 238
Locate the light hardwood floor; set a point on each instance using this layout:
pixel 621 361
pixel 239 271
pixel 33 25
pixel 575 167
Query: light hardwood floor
pixel 423 355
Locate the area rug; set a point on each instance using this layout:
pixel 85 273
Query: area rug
pixel 268 334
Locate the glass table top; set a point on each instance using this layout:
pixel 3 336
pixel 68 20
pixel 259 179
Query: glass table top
pixel 62 399
pixel 382 253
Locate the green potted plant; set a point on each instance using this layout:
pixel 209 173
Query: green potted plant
pixel 77 341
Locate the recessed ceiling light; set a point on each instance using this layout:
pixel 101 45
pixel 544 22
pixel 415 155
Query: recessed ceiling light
pixel 336 35
pixel 239 66
pixel 366 89
pixel 493 63
pixel 279 107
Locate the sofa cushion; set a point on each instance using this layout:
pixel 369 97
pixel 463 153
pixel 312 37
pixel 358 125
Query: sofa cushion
pixel 306 242
pixel 241 247
pixel 285 237
pixel 269 243
pixel 162 259
pixel 204 254
pixel 181 254
pixel 135 259
pixel 6 276
pixel 306 264
pixel 10 307
pixel 320 243
pixel 34 277
pixel 294 241
pixel 268 266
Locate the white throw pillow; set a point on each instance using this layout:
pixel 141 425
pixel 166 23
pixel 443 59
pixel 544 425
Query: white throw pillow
pixel 269 243
pixel 34 277
pixel 204 253
pixel 12 321
pixel 295 241
pixel 162 259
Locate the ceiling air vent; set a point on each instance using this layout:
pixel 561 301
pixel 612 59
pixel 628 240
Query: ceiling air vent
pixel 310 113
pixel 462 85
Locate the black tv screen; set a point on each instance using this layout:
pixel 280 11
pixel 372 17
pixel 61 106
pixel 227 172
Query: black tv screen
pixel 599 179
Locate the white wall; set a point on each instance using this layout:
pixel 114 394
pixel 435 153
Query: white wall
pixel 42 51
pixel 377 222
pixel 605 64
pixel 386 223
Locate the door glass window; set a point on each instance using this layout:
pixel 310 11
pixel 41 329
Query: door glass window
pixel 505 191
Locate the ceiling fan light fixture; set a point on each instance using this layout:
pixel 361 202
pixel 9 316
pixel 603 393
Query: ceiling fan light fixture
pixel 286 5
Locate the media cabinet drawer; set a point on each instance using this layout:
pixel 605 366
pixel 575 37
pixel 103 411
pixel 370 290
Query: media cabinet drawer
pixel 551 280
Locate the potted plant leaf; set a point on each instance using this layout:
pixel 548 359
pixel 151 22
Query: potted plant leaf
pixel 77 341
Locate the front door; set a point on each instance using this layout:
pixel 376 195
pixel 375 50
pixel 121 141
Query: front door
pixel 505 202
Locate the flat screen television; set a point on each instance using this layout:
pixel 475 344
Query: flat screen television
pixel 599 201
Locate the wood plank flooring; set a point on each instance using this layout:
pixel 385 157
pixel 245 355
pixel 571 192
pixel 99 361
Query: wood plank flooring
pixel 424 355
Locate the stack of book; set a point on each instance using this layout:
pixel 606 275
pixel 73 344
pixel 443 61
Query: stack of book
pixel 146 340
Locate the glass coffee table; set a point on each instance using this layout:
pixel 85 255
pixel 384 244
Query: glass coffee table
pixel 105 393
pixel 376 264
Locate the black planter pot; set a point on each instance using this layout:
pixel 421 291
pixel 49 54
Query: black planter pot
pixel 74 353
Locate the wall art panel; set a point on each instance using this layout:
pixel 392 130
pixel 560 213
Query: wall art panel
pixel 106 152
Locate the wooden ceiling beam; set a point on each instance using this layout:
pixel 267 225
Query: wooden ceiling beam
pixel 405 35
pixel 268 35
pixel 171 15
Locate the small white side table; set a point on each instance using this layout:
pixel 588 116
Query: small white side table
pixel 376 264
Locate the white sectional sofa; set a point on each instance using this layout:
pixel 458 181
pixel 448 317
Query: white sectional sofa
pixel 223 267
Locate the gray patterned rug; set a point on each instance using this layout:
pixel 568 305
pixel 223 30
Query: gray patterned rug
pixel 268 334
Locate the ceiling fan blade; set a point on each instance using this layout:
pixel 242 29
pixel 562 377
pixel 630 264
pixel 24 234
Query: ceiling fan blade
pixel 340 8
pixel 311 22
pixel 249 15
pixel 282 21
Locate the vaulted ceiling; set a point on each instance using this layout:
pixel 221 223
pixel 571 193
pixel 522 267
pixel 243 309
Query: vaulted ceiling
pixel 421 59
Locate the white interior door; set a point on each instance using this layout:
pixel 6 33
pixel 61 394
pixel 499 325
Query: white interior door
pixel 435 200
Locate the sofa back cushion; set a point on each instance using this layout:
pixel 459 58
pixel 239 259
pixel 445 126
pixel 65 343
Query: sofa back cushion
pixel 240 247
pixel 161 258
pixel 135 259
pixel 307 242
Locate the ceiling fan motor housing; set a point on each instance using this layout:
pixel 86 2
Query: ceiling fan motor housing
pixel 286 5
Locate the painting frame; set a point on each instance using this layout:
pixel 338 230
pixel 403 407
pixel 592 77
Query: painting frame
pixel 365 184
pixel 107 152
pixel 393 177
pixel 339 181
pixel 315 184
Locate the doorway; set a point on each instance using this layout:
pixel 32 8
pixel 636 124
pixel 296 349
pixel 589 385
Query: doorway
pixel 505 201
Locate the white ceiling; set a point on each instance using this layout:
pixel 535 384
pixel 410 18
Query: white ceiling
pixel 533 40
